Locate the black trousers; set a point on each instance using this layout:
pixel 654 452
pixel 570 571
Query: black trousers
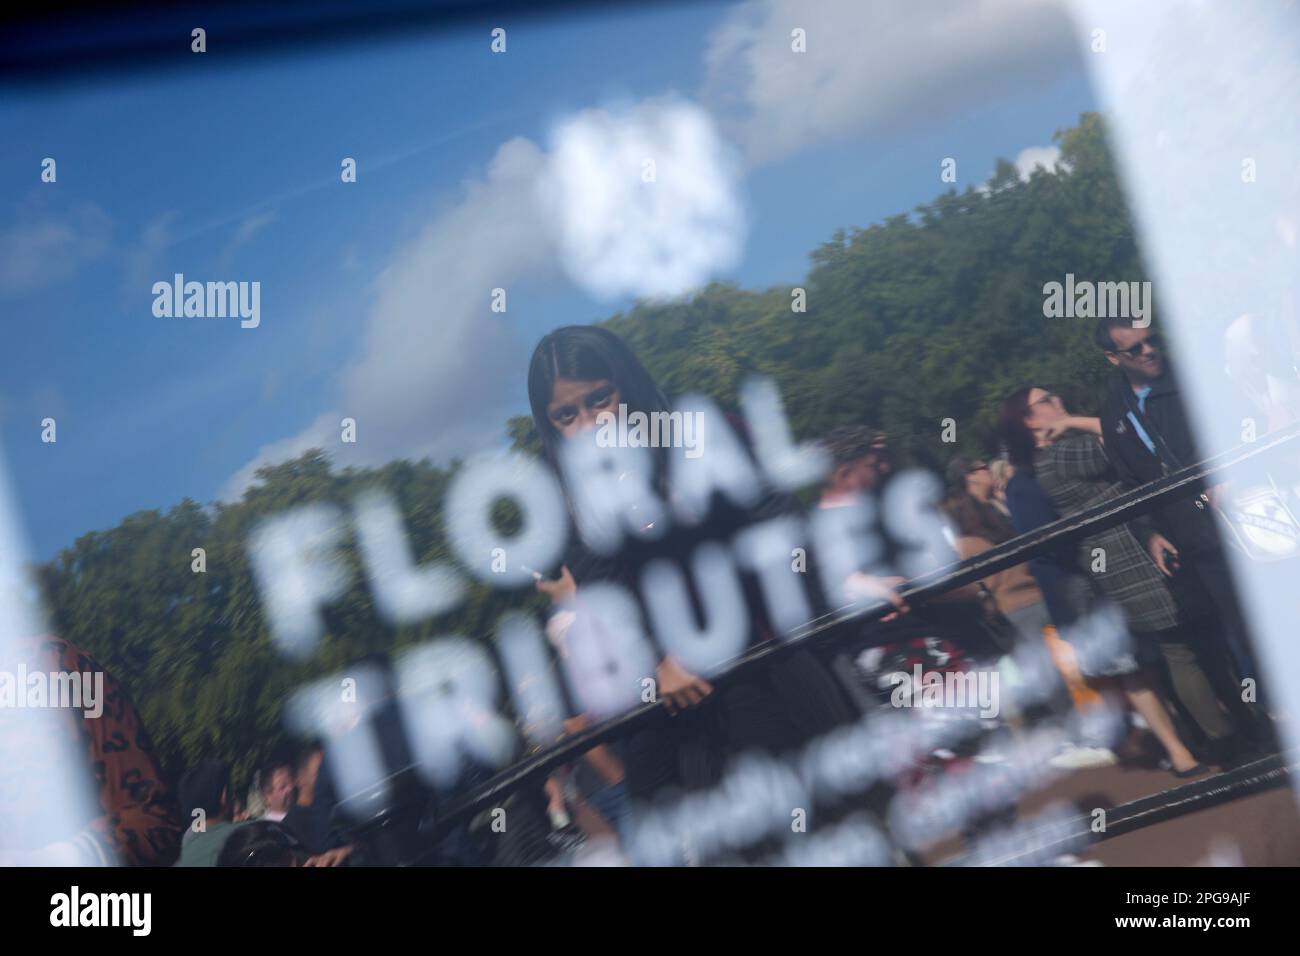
pixel 774 711
pixel 1207 601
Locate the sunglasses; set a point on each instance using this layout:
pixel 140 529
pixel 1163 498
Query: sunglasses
pixel 1155 341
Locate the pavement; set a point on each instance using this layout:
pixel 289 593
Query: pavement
pixel 1259 829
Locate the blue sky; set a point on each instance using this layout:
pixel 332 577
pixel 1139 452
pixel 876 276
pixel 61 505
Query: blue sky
pixel 231 172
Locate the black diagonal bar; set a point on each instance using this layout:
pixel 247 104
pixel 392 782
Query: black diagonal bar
pixel 1124 508
pixel 1258 775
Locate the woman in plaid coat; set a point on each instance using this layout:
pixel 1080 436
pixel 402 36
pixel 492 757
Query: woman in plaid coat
pixel 1070 464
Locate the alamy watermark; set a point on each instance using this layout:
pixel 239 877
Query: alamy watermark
pixel 38 689
pixel 75 908
pixel 1098 300
pixel 209 300
pixel 651 430
pixel 971 690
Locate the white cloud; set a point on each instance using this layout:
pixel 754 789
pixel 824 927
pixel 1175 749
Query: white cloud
pixel 244 234
pixel 1286 229
pixel 142 258
pixel 42 246
pixel 438 368
pixel 870 67
pixel 324 432
pixel 645 198
pixel 1031 157
pixel 351 258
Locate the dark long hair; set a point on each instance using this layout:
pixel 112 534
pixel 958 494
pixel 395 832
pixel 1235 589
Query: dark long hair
pixel 262 843
pixel 590 353
pixel 1013 431
pixel 587 353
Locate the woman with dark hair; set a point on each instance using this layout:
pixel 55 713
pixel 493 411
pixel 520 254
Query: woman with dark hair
pixel 1065 594
pixel 970 500
pixel 1063 452
pixel 263 843
pixel 579 371
pixel 576 374
pixel 980 527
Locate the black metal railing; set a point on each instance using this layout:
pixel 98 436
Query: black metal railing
pixel 828 628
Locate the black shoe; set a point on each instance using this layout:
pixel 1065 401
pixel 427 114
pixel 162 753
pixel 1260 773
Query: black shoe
pixel 1261 736
pixel 1195 771
pixel 1242 757
pixel 1231 752
pixel 1218 752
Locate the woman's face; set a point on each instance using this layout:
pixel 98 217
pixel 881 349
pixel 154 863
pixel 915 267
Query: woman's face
pixel 1044 409
pixel 575 403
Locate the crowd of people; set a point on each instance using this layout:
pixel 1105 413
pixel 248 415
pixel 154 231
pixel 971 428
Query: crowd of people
pixel 1180 670
pixel 285 820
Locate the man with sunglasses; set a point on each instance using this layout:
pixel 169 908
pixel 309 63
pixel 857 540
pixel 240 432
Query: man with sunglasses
pixel 1147 435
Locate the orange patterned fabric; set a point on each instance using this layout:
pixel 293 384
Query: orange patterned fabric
pixel 101 770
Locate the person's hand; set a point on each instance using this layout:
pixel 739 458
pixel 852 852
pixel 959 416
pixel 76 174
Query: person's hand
pixel 989 604
pixel 574 725
pixel 306 780
pixel 603 760
pixel 1163 553
pixel 1058 428
pixel 562 589
pixel 330 857
pixel 869 587
pixel 554 788
pixel 678 687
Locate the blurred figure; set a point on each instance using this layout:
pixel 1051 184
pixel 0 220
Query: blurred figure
pixel 1003 471
pixel 981 526
pixel 309 817
pixel 277 788
pixel 133 821
pixel 1148 435
pixel 1013 592
pixel 577 373
pixel 263 843
pixel 206 788
pixel 938 636
pixel 1071 467
pixel 860 464
pixel 254 804
pixel 1066 595
pixel 970 491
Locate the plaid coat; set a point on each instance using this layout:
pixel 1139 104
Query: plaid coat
pixel 1076 475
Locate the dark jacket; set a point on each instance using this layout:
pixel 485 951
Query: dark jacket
pixel 778 705
pixel 1188 522
pixel 1031 508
